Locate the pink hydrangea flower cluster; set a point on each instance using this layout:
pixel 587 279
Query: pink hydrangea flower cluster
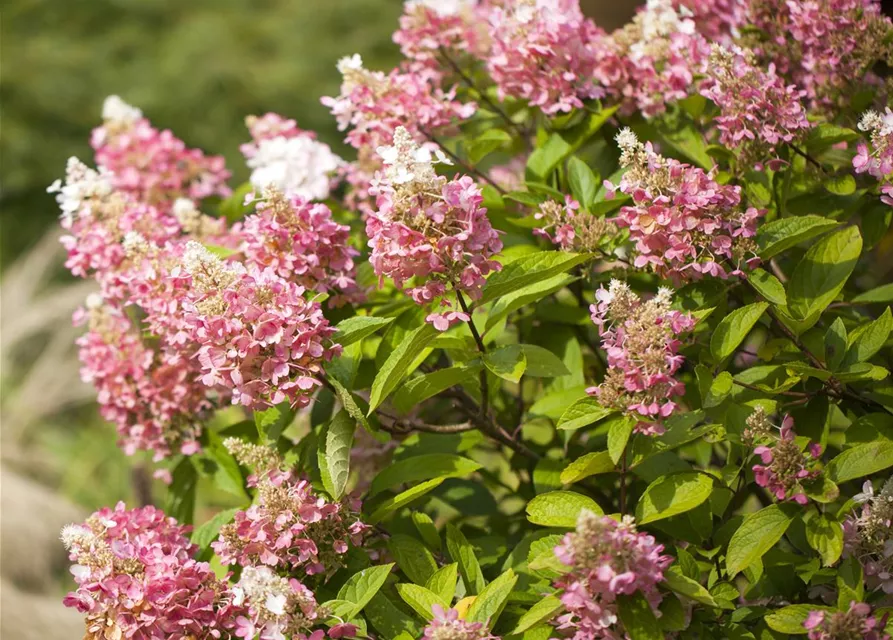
pixel 607 559
pixel 289 159
pixel 137 578
pixel 854 624
pixel 758 111
pixel 429 229
pixel 154 166
pixel 640 339
pixel 868 535
pixel 301 242
pixel 255 331
pixel 718 21
pixel 877 159
pixel 373 104
pixel 447 625
pixel 541 52
pixel 153 397
pixel 430 29
pixel 651 61
pixel 684 224
pixel 572 229
pixel 785 468
pixel 289 525
pixel 277 608
pixel 826 47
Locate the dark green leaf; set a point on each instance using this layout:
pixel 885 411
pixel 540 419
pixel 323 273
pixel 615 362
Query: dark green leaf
pixel 734 328
pixel 637 617
pixel 821 274
pixel 508 362
pixel 583 182
pixel 396 366
pixel 784 233
pixel 422 467
pixel 336 441
pixel 413 558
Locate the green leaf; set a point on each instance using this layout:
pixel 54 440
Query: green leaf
pixel 588 465
pixel 757 534
pixel 418 389
pixel 734 328
pixel 207 533
pixel 561 144
pixel 542 611
pixel 883 293
pixel 401 500
pixel 784 233
pixel 525 296
pixel 413 558
pixel 583 412
pixel 542 363
pixel 363 585
pixel 389 620
pixel 272 422
pixel 618 436
pixel 825 535
pixel 676 581
pixel 485 143
pixel 850 583
pixel 842 185
pixel 508 362
pixel 491 600
pixel 560 508
pixel 530 269
pixel 637 617
pixel 349 402
pixel 868 339
pixel 425 526
pixel 673 494
pixel 835 344
pixel 790 619
pixel 358 327
pixel 334 453
pixel 421 599
pixel 395 367
pixel 443 581
pixel 462 553
pixel 422 467
pixel 768 286
pixel 861 461
pixel 180 502
pixel 821 274
pixel 583 182
pixel 825 135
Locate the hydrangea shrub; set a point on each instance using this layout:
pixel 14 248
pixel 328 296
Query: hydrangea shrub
pixel 586 341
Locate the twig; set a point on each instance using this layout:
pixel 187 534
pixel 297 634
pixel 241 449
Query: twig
pixel 752 387
pixel 808 158
pixel 485 387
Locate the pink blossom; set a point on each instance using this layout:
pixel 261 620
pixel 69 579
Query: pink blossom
pixel 856 622
pixel 876 158
pixel 447 624
pixel 430 29
pixel 607 559
pixel 640 340
pixel 785 468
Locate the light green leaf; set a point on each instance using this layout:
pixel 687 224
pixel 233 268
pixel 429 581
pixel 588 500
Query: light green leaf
pixel 757 534
pixel 525 296
pixel 422 467
pixel 542 363
pixel 676 581
pixel 588 465
pixel 358 327
pixel 334 454
pixel 542 611
pixel 861 461
pixel 389 620
pixel 583 182
pixel 508 362
pixel 421 599
pixel 560 508
pixel 490 601
pixel 868 339
pixel 825 535
pixel 425 526
pixel 734 328
pixel 463 553
pixel 673 494
pixel 790 619
pixel 272 422
pixel 850 583
pixel 883 293
pixel 821 274
pixel 784 233
pixel 413 558
pixel 418 389
pixel 401 500
pixel 207 533
pixel 485 143
pixel 768 286
pixel 835 344
pixel 842 185
pixel 530 269
pixel 583 412
pixel 619 433
pixel 637 617
pixel 349 402
pixel 395 367
pixel 363 585
pixel 443 581
pixel 562 143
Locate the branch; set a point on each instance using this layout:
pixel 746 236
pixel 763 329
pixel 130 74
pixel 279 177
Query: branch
pixel 485 387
